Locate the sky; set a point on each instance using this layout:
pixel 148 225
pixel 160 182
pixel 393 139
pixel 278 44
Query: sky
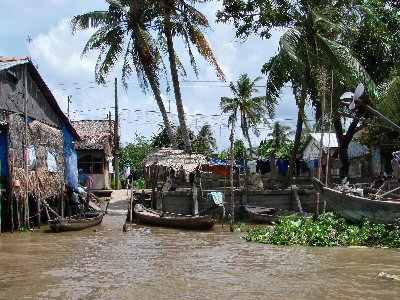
pixel 57 55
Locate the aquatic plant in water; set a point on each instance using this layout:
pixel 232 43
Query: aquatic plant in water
pixel 328 230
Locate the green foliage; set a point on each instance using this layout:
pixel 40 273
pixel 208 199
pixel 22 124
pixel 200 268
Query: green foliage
pixel 113 184
pixel 224 155
pixel 204 142
pixel 250 110
pixel 240 227
pixel 140 183
pixel 135 153
pixel 160 139
pixel 329 230
pixel 239 150
pixel 275 184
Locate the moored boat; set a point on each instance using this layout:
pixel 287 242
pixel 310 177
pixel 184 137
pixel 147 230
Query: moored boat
pixel 153 217
pixel 87 220
pixel 354 208
pixel 260 214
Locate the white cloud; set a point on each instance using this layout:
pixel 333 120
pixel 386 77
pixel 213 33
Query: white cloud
pixel 57 54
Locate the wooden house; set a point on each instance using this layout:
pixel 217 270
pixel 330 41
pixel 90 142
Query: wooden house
pixel 36 143
pixel 95 151
pixel 355 151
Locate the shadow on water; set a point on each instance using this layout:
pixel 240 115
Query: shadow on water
pixel 152 262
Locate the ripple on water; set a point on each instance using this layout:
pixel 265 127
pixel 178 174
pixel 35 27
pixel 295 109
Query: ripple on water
pixel 153 263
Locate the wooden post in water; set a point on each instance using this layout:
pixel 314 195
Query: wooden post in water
pixel 116 139
pixel 26 211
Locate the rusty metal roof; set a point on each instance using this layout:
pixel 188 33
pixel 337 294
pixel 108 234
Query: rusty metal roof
pixel 7 63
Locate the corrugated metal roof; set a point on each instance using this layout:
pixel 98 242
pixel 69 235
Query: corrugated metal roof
pixel 328 140
pixel 9 62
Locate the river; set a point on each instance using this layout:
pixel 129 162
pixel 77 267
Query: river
pixel 153 263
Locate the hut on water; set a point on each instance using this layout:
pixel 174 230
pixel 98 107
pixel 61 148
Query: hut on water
pixel 95 151
pixel 36 146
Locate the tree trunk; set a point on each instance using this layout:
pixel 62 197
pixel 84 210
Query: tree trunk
pixel 344 141
pixel 299 129
pixel 157 95
pixel 145 57
pixel 231 138
pixel 174 75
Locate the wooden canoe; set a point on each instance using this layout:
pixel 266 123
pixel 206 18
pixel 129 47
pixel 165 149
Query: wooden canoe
pixel 267 215
pixel 153 217
pixel 261 214
pixel 355 208
pixel 70 224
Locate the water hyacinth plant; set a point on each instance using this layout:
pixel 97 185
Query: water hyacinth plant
pixel 328 230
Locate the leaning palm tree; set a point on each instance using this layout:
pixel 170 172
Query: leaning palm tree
pixel 181 18
pixel 123 32
pixel 313 54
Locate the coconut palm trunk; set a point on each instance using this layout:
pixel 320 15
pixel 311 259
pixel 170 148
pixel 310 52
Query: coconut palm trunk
pixel 299 129
pixel 157 95
pixel 174 75
pixel 145 57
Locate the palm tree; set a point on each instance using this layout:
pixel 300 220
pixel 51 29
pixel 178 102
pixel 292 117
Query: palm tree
pixel 280 135
pixel 251 109
pixel 180 18
pixel 314 46
pixel 126 24
pixel 205 142
pixel 251 112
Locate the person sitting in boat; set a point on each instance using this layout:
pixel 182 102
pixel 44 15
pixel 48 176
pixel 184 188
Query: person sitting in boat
pixel 379 181
pixel 171 183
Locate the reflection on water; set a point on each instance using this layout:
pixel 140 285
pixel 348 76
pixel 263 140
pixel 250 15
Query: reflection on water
pixel 153 263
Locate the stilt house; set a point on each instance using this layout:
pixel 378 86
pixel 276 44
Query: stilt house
pixel 36 145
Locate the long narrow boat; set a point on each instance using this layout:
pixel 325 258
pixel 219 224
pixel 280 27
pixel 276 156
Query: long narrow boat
pixel 354 208
pixel 260 214
pixel 89 219
pixel 153 217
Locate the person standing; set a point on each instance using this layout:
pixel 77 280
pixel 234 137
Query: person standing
pixel 127 173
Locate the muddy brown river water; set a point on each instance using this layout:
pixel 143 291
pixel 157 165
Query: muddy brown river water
pixel 160 263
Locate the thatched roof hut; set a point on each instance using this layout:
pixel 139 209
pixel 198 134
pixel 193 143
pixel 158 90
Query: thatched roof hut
pixel 95 135
pixel 176 159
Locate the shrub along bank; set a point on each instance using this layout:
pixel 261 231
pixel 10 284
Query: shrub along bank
pixel 328 230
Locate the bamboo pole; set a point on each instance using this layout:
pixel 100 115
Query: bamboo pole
pixel 1 198
pixel 26 212
pixel 38 200
pixel 321 139
pixel 232 220
pixel 328 172
pixel 11 193
pixel 116 139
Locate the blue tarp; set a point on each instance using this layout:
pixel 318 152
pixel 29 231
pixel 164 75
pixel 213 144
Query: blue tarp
pixel 3 153
pixel 70 159
pixel 217 162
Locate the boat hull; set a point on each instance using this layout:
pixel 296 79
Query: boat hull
pixel 67 224
pixel 261 214
pixel 355 208
pixel 187 222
